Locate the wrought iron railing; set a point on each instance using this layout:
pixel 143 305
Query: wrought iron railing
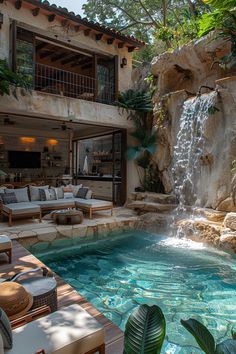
pixel 61 82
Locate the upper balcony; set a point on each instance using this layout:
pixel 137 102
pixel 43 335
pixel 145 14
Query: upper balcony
pixel 56 69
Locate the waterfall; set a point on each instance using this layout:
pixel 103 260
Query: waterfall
pixel 190 148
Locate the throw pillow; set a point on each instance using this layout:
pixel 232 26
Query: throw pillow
pixel 59 192
pixel 47 194
pixel 21 194
pixel 34 192
pixel 75 189
pixel 8 198
pixel 89 194
pixel 82 192
pixel 5 330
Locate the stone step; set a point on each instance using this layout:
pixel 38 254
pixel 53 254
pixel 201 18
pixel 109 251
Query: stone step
pixel 211 214
pixel 150 206
pixel 153 197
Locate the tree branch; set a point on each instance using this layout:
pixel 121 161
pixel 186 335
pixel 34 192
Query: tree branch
pixel 136 23
pixel 155 23
pixel 123 10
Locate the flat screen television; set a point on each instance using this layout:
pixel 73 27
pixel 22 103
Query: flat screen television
pixel 24 159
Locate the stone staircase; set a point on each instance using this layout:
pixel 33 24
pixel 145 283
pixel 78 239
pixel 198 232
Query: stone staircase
pixel 143 202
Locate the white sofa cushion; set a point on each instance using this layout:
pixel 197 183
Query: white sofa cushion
pixel 67 331
pixel 92 203
pixel 20 193
pixel 21 208
pixel 56 203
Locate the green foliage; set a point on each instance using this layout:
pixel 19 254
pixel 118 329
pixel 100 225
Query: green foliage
pixel 145 147
pixel 163 24
pixel 145 331
pixel 222 18
pixel 8 78
pixel 137 100
pixel 205 339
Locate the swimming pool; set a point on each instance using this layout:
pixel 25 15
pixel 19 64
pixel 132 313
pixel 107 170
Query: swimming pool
pixel 183 277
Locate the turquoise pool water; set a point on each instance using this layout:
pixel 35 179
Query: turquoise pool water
pixel 182 277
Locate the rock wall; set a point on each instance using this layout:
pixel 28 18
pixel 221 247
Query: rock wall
pixel 180 75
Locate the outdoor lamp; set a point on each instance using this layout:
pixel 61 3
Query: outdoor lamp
pixel 123 62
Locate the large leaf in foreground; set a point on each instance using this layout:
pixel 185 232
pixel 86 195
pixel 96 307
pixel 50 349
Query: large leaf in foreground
pixel 226 347
pixel 145 331
pixel 203 337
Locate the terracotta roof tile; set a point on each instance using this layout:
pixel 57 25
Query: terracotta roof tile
pixel 62 11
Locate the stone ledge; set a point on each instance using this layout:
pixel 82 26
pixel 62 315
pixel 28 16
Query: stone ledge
pixel 88 230
pixel 153 197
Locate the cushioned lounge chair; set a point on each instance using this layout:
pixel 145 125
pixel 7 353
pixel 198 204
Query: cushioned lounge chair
pixel 67 331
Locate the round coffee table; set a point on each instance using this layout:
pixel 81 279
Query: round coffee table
pixel 68 217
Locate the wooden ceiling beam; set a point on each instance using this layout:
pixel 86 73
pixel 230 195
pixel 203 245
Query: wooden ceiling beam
pixel 88 66
pixel 36 11
pixel 131 49
pixel 18 4
pixel 77 28
pixel 71 58
pixel 87 32
pixel 64 23
pixel 121 45
pixel 46 54
pixel 81 62
pixel 110 41
pixel 98 36
pixel 58 56
pixel 41 46
pixel 51 17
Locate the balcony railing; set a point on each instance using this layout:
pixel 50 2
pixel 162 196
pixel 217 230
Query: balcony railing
pixel 56 81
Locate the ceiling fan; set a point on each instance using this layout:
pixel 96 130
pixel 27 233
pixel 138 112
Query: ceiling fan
pixel 62 127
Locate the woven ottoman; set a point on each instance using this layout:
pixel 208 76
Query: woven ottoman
pixel 6 246
pixel 68 217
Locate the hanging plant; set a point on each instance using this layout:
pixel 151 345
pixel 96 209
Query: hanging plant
pixel 9 79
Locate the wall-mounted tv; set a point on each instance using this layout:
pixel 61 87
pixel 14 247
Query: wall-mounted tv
pixel 24 159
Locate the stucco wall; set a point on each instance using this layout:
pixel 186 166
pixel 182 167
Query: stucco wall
pixel 39 104
pixel 52 30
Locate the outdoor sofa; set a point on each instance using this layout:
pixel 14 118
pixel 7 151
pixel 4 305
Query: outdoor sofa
pixel 33 201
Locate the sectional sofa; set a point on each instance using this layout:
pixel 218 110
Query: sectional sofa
pixel 33 201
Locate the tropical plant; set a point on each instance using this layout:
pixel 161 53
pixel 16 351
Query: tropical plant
pixel 10 79
pixel 145 331
pixel 221 18
pixel 206 341
pixel 138 100
pixel 140 107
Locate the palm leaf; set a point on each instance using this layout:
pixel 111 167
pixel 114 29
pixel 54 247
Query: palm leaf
pixel 145 331
pixel 203 337
pixel 226 347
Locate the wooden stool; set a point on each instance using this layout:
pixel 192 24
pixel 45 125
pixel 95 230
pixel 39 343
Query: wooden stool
pixel 6 246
